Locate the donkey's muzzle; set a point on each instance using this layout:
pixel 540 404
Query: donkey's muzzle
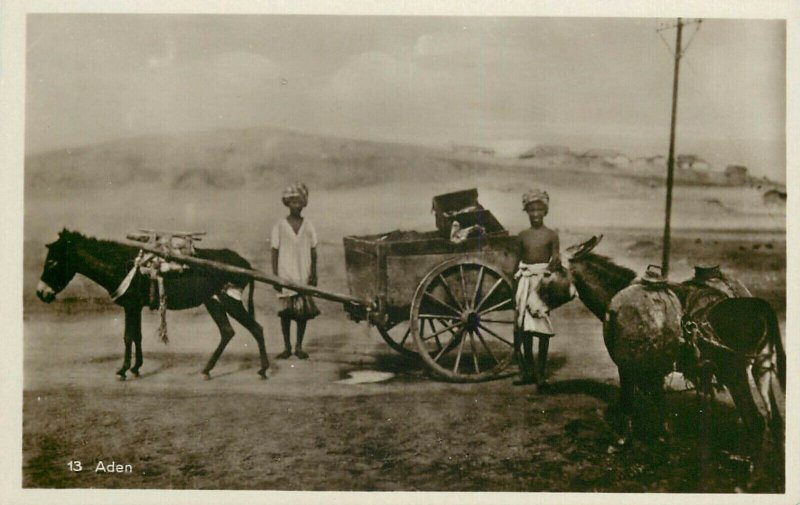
pixel 45 292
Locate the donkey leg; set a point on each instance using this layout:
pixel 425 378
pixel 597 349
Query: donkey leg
pixel 777 401
pixel 771 393
pixel 236 309
pixel 705 396
pixel 735 379
pixel 627 386
pixel 654 388
pixel 128 339
pixel 226 332
pixel 137 340
pixel 734 376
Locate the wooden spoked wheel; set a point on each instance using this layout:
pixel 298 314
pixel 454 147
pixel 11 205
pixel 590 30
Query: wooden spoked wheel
pixel 398 336
pixel 462 320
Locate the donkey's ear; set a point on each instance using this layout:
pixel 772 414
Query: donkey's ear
pixel 578 250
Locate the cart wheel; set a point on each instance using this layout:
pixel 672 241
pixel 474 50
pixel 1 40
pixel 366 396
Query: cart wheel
pixel 399 338
pixel 462 320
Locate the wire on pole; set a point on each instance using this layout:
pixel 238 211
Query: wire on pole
pixel 691 38
pixel 663 27
pixel 666 44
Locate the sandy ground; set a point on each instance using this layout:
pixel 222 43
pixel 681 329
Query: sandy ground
pixel 302 429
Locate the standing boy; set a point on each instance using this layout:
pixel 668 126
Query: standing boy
pixel 538 255
pixel 294 257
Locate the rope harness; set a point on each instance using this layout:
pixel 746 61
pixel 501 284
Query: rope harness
pixel 698 369
pixel 155 267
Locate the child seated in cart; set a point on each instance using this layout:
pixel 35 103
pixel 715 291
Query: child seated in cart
pixel 294 257
pixel 538 255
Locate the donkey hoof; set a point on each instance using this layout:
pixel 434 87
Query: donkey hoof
pixel 135 374
pixel 207 376
pixel 262 376
pixel 121 377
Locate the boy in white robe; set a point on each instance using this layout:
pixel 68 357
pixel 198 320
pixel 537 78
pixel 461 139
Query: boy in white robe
pixel 294 257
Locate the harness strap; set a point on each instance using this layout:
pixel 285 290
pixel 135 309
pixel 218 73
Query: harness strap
pixel 152 266
pixel 162 311
pixel 123 287
pixel 125 284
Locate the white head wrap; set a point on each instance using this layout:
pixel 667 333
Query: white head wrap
pixel 535 195
pixel 297 189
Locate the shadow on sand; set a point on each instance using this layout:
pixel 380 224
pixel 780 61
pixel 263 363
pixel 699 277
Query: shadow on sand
pixel 710 448
pixel 411 368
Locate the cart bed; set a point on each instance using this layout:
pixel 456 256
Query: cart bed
pixel 388 267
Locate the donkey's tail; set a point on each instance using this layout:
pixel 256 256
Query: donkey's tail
pixel 251 308
pixel 774 337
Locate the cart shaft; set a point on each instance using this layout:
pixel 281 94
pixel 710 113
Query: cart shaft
pixel 253 274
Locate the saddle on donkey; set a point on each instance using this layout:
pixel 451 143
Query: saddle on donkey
pixel 724 323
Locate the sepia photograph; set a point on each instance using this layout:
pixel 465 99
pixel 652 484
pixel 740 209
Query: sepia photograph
pixel 403 253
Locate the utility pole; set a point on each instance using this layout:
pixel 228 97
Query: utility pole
pixel 679 51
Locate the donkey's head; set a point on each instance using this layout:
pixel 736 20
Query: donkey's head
pixel 596 278
pixel 581 261
pixel 558 287
pixel 59 269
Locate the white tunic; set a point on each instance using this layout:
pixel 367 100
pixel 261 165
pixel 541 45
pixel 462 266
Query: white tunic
pixel 294 251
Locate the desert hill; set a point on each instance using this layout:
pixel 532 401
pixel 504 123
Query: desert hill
pixel 264 157
pixel 256 157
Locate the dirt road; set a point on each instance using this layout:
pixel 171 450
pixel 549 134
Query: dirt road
pixel 302 429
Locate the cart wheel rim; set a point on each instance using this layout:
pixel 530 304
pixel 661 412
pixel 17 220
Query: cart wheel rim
pixel 462 320
pixel 398 337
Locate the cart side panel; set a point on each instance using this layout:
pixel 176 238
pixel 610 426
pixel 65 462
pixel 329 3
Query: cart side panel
pixel 438 245
pixel 404 272
pixel 361 263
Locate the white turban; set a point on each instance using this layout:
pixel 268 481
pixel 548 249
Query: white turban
pixel 298 189
pixel 535 195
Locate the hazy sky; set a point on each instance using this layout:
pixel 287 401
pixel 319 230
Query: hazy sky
pixel 503 82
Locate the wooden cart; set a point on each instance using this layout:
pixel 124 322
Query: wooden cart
pixel 450 304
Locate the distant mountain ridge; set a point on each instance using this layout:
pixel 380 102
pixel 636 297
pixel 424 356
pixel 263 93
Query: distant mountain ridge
pixel 265 157
pixel 232 158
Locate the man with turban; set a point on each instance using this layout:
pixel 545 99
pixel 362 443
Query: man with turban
pixel 294 257
pixel 538 255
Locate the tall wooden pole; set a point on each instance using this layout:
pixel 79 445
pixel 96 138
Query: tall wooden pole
pixel 671 157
